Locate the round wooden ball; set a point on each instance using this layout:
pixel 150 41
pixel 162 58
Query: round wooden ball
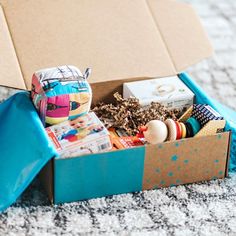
pixel 156 132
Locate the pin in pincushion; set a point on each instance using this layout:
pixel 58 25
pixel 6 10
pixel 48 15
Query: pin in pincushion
pixel 61 93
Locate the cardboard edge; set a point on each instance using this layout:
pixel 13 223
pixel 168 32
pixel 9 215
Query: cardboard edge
pixel 46 177
pixel 228 155
pixel 15 60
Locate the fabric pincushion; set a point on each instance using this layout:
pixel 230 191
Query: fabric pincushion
pixel 61 93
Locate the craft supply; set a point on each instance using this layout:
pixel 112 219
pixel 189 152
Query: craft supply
pixel 129 115
pixel 118 132
pixel 189 130
pixel 156 132
pixel 170 92
pixel 194 124
pixel 172 130
pixel 61 93
pixel 127 142
pixel 84 135
pixel 113 133
pixel 204 113
pixel 178 130
pixel 183 128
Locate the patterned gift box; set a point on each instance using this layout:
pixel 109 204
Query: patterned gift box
pixel 204 113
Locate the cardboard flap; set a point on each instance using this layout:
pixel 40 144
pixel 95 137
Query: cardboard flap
pixel 24 151
pixel 10 72
pixel 182 32
pixel 117 39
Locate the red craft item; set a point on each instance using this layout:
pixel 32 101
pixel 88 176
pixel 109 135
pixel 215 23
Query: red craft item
pixel 179 131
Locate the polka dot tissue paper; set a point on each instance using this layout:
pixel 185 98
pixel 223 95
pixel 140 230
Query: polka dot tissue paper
pixel 61 93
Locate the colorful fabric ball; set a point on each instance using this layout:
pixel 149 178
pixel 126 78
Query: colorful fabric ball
pixel 61 93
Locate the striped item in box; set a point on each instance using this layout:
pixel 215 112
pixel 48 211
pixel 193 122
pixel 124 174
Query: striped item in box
pixel 205 113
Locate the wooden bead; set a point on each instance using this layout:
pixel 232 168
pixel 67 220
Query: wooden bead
pixel 156 132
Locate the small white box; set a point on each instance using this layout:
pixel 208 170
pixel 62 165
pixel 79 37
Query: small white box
pixel 170 92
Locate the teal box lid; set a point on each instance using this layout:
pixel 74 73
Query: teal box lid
pixel 24 147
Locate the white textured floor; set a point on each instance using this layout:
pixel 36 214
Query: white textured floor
pixel 199 209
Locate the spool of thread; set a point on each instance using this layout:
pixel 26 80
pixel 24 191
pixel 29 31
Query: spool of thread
pixel 156 132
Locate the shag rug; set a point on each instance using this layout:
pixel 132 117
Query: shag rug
pixel 207 208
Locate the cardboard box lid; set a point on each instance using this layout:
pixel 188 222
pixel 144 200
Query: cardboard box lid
pixel 117 39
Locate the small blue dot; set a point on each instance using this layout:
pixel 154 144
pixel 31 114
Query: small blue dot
pixel 178 181
pixel 170 174
pixel 177 144
pixel 214 178
pixel 221 172
pixel 155 187
pixel 172 185
pixel 160 146
pixel 162 182
pixel 186 161
pixel 216 161
pixel 158 170
pixel 174 158
pixel 219 136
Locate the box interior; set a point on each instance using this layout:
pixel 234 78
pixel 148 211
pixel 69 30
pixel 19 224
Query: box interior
pixel 97 170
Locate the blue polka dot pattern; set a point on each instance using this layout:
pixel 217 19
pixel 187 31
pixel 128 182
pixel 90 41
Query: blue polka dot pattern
pixel 174 158
pixel 170 174
pixel 162 182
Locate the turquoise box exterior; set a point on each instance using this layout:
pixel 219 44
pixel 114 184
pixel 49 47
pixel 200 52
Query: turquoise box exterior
pixel 98 175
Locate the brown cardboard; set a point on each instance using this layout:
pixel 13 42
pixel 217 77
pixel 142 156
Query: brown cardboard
pixel 47 179
pixel 184 37
pixel 117 39
pixel 186 161
pixel 10 74
pixel 228 157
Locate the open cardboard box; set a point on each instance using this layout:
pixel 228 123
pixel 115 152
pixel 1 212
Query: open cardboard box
pixel 121 41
